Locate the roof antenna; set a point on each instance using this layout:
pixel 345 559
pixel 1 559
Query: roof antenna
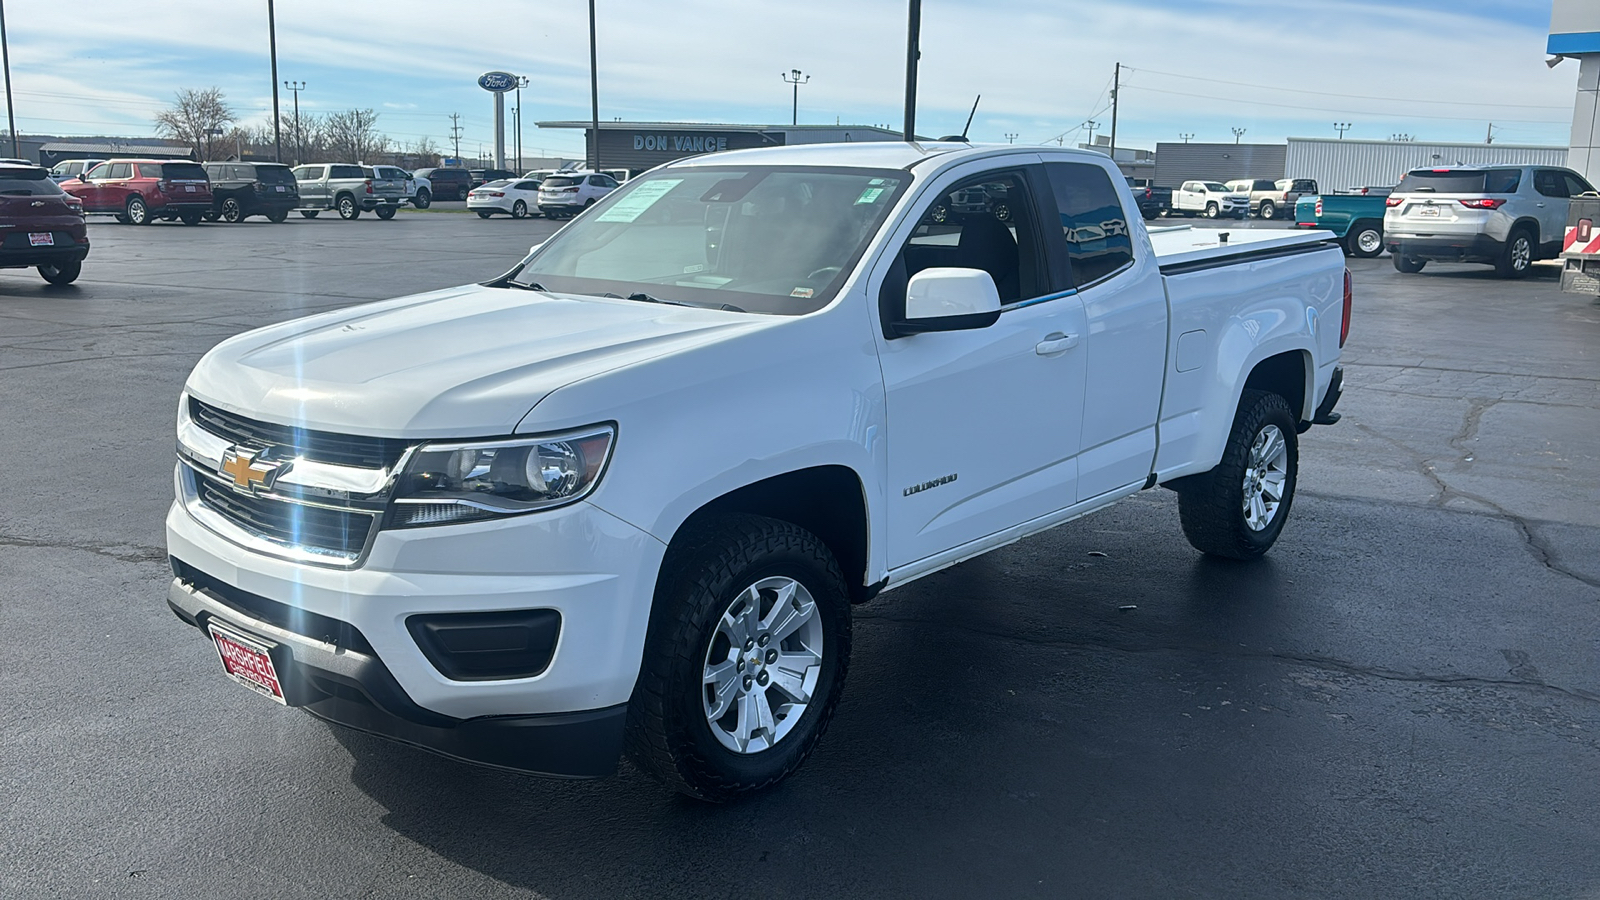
pixel 963 135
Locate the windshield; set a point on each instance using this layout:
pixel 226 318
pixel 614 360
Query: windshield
pixel 1493 181
pixel 769 239
pixel 1213 186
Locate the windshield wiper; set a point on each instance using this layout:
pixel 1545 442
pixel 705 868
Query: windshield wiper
pixel 642 297
pixel 530 286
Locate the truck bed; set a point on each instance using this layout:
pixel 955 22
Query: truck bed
pixel 1184 247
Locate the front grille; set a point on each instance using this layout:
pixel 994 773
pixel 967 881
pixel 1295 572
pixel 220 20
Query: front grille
pixel 310 527
pixel 317 446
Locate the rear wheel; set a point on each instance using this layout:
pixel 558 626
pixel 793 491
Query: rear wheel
pixel 1365 239
pixel 745 659
pixel 519 210
pixel 386 212
pixel 1408 264
pixel 61 273
pixel 136 213
pixel 1237 509
pixel 1517 257
pixel 347 208
pixel 1268 211
pixel 310 213
pixel 232 211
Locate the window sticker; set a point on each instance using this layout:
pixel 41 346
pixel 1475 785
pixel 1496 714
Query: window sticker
pixel 801 292
pixel 639 199
pixel 870 195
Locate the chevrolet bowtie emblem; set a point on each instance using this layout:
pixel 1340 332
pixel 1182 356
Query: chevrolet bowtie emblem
pixel 247 468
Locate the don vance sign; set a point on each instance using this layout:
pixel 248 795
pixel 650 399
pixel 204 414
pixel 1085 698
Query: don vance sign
pixel 680 143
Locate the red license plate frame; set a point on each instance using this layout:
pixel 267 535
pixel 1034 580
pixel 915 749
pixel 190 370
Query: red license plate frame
pixel 247 661
pixel 41 239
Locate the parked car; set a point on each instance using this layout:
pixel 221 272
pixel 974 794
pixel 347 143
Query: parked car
pixel 565 195
pixel 627 494
pixel 1269 199
pixel 72 168
pixel 1506 216
pixel 1357 220
pixel 42 225
pixel 447 182
pixel 1210 199
pixel 348 189
pixel 139 191
pixel 1154 202
pixel 484 176
pixel 518 198
pixel 241 190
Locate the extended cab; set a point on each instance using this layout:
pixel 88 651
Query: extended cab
pixel 1210 199
pixel 626 494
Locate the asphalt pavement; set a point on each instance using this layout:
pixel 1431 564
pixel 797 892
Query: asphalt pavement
pixel 1402 700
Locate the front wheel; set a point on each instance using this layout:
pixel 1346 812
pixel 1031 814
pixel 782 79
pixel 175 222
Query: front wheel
pixel 386 212
pixel 61 273
pixel 1410 265
pixel 1237 509
pixel 423 200
pixel 1212 210
pixel 745 659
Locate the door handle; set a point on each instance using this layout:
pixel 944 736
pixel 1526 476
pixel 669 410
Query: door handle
pixel 1541 206
pixel 1056 343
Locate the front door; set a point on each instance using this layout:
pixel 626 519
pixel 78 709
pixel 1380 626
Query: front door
pixel 982 424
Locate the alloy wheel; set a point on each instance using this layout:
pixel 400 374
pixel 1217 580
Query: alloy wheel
pixel 1264 477
pixel 762 667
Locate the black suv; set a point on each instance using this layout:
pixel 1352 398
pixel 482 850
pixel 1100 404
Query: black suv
pixel 484 176
pixel 449 183
pixel 241 190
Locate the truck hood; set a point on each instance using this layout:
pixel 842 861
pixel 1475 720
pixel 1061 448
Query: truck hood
pixel 464 362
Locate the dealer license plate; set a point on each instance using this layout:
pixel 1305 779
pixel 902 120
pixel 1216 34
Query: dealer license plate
pixel 44 239
pixel 189 188
pixel 278 188
pixel 248 662
pixel 1428 212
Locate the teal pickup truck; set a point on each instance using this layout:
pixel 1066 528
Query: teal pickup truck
pixel 1356 218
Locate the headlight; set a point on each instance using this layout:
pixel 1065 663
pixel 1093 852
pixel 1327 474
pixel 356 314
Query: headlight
pixel 447 483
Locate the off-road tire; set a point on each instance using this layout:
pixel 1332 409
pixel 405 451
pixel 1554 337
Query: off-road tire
pixel 62 272
pixel 1408 264
pixel 1516 259
pixel 705 570
pixel 1211 504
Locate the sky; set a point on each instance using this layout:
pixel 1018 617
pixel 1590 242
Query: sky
pixel 1438 70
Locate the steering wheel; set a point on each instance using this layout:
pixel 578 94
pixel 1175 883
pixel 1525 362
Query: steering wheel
pixel 828 271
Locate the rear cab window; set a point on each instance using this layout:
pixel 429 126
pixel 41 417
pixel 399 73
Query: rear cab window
pixel 348 172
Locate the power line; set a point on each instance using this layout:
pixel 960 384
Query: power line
pixel 1340 95
pixel 1357 112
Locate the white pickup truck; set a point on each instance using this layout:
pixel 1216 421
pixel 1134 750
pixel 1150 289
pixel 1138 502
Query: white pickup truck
pixel 624 496
pixel 1210 199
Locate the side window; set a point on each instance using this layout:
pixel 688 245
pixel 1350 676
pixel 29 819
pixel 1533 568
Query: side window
pixel 1549 183
pixel 120 170
pixel 1092 221
pixel 100 171
pixel 1575 186
pixel 982 223
pixel 527 185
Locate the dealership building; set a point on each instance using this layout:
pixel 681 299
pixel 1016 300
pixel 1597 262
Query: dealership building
pixel 637 146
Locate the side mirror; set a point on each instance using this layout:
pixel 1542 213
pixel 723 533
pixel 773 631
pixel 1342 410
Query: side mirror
pixel 942 299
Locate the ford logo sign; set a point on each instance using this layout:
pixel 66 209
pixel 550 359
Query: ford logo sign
pixel 498 82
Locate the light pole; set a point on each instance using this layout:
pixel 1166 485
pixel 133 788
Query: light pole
pixel 522 82
pixel 5 56
pixel 793 77
pixel 1187 137
pixel 1011 137
pixel 299 136
pixel 272 42
pixel 594 89
pixel 1238 133
pixel 1341 127
pixel 1091 125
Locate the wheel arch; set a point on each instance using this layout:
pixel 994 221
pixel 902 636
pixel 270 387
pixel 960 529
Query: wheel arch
pixel 1290 375
pixel 1529 223
pixel 830 501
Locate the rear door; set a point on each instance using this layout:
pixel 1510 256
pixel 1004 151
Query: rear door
pixel 313 189
pixel 1551 200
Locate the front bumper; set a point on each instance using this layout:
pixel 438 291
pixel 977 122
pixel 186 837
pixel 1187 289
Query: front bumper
pixel 1475 247
pixel 340 680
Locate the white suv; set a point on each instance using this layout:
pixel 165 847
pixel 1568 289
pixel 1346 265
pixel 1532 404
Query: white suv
pixel 565 194
pixel 1506 216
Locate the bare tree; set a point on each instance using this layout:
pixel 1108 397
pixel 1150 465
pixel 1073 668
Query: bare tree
pixel 199 118
pixel 353 135
pixel 424 151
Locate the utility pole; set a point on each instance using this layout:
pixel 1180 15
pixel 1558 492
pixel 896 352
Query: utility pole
pixel 272 42
pixel 1489 138
pixel 1238 133
pixel 913 53
pixel 1341 127
pixel 455 133
pixel 1116 85
pixel 299 136
pixel 594 90
pixel 794 78
pixel 5 56
pixel 1091 125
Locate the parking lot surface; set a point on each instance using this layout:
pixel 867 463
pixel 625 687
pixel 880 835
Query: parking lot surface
pixel 1402 700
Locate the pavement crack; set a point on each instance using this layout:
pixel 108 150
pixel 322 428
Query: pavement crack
pixel 1312 660
pixel 121 552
